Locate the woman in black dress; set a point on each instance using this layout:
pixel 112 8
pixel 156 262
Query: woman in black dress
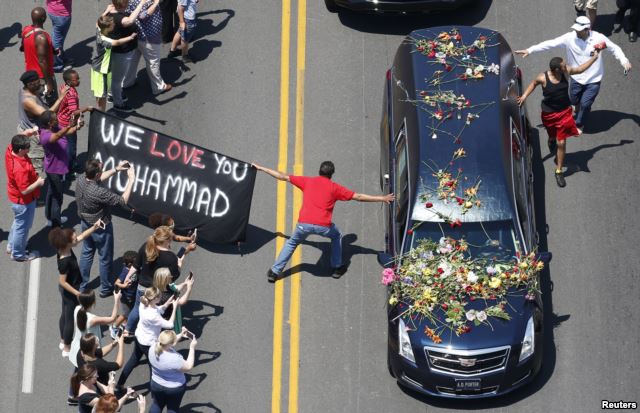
pixel 63 240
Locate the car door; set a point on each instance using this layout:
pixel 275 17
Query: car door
pixel 400 208
pixel 520 155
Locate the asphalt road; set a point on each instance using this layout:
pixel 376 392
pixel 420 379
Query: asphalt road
pixel 333 338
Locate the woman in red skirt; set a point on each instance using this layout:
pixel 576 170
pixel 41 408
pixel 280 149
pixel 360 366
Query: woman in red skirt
pixel 557 114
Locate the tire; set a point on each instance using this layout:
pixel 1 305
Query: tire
pixel 331 6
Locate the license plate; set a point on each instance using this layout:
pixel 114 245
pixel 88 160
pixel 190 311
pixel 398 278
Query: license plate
pixel 468 384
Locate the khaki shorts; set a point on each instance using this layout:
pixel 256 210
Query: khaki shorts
pixel 585 4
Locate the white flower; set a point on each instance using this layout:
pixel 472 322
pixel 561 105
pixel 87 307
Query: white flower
pixel 471 315
pixel 440 55
pixel 469 71
pixel 494 68
pixel 478 69
pixel 443 240
pixel 491 270
pixel 472 277
pixel 434 136
pixel 446 267
pixel 481 316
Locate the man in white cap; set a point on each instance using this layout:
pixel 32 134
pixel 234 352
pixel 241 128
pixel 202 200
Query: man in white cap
pixel 580 44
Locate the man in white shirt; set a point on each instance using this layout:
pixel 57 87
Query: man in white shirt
pixel 579 44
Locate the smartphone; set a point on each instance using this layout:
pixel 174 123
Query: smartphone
pixel 195 234
pixel 188 334
pixel 101 224
pixel 119 333
pixel 181 252
pixel 190 277
pixel 126 165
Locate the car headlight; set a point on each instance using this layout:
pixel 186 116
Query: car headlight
pixel 405 344
pixel 528 341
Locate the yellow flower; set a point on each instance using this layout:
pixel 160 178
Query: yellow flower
pixel 468 204
pixel 524 265
pixel 426 294
pixel 393 300
pixel 427 271
pixel 502 275
pixel 539 265
pixel 495 282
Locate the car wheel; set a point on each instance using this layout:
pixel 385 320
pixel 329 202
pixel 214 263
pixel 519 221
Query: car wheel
pixel 331 6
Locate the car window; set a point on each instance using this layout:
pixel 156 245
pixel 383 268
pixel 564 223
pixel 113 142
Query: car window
pixel 401 184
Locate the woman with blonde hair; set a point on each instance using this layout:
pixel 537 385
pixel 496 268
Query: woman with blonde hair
pixel 168 382
pixel 149 328
pixel 155 253
pixel 163 281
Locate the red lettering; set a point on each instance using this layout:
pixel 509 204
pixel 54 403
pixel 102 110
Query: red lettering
pixel 186 156
pixel 195 158
pixel 175 155
pixel 153 150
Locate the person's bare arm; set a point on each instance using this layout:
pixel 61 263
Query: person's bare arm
pixel 152 9
pixel 276 174
pixel 120 42
pixel 120 355
pixel 131 19
pixel 183 24
pixel 534 83
pixel 373 198
pixel 56 105
pixel 37 184
pixel 62 281
pixel 191 358
pixel 108 174
pixel 112 317
pixel 42 46
pixel 585 65
pixel 85 234
pixel 131 174
pixel 62 132
pixel 35 110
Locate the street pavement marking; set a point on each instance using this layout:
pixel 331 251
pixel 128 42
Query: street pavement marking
pixel 298 169
pixel 32 323
pixel 281 203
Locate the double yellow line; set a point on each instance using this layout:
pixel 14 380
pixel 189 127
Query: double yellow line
pixel 298 169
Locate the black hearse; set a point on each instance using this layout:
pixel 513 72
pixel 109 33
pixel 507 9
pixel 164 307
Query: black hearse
pixel 486 361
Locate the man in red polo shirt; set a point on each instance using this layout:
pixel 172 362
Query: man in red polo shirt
pixel 23 188
pixel 38 52
pixel 320 194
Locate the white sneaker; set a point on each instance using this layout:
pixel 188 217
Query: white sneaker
pixel 65 354
pixel 61 346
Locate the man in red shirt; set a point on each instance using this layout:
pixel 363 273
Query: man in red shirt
pixel 38 52
pixel 320 194
pixel 23 188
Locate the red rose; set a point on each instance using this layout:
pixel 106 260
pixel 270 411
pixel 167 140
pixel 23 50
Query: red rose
pixel 464 76
pixel 467 329
pixel 468 288
pixel 423 93
pixel 482 38
pixel 460 200
pixel 409 231
pixel 431 54
pixel 467 102
pixel 444 306
pixel 492 297
pixel 458 37
pixel 456 310
pixel 448 68
pixel 457 141
pixel 471 50
pixel 420 48
pixel 440 270
pixel 428 205
pixel 472 298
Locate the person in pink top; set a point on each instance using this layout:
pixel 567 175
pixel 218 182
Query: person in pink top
pixel 319 196
pixel 59 12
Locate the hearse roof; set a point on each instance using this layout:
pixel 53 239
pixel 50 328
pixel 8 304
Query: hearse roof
pixel 487 155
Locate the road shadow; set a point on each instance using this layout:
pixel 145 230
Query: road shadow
pixel 604 24
pixel 604 120
pixel 579 161
pixel 398 24
pixel 201 407
pixel 81 53
pixel 551 319
pixel 201 48
pixel 322 268
pixel 7 34
pixel 194 320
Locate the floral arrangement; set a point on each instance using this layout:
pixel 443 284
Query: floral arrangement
pixel 441 278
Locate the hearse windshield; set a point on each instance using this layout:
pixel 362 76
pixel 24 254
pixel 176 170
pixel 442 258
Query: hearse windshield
pixel 486 239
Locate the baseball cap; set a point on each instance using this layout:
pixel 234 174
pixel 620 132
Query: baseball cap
pixel 581 23
pixel 29 76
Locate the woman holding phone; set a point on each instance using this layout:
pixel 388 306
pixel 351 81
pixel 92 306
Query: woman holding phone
pixel 153 254
pixel 163 282
pixel 168 382
pixel 63 240
pixel 158 219
pixel 150 326
pixel 91 353
pixel 87 389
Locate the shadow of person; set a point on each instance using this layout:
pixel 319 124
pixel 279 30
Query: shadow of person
pixel 7 33
pixel 202 48
pixel 603 120
pixel 194 380
pixel 579 161
pixel 604 24
pixel 322 268
pixel 4 235
pixel 201 356
pixel 191 408
pixel 196 322
pixel 403 24
pixel 81 53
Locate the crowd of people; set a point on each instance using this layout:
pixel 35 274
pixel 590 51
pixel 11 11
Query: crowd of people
pixel 41 163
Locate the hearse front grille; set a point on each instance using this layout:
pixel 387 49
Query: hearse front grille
pixel 467 362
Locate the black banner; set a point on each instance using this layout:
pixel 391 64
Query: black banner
pixel 197 187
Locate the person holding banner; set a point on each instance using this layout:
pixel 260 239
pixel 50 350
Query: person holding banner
pixel 319 196
pixel 94 202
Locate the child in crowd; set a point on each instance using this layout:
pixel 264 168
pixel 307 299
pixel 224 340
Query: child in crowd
pixel 187 16
pixel 128 291
pixel 68 109
pixel 101 62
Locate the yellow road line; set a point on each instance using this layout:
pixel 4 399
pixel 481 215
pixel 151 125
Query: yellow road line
pixel 281 204
pixel 298 168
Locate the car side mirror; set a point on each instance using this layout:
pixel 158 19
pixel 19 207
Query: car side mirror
pixel 385 260
pixel 544 256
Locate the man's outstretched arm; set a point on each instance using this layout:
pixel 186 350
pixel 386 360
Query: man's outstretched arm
pixel 276 174
pixel 373 198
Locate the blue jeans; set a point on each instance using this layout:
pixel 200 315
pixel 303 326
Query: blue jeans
pixel 134 314
pixel 169 397
pixel 301 233
pixel 72 150
pixel 22 220
pixel 53 199
pixel 61 26
pixel 102 241
pixel 139 350
pixel 583 95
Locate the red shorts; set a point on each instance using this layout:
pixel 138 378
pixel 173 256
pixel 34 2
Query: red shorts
pixel 560 125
